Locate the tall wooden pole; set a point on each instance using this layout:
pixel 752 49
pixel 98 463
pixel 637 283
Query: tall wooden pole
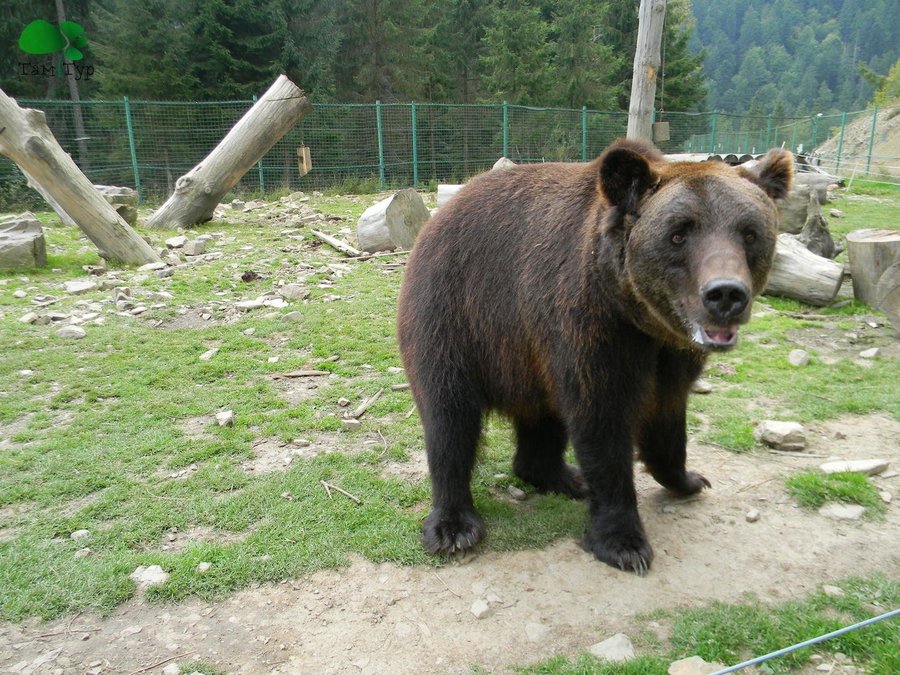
pixel 651 17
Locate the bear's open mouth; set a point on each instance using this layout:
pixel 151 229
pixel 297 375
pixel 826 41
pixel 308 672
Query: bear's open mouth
pixel 715 337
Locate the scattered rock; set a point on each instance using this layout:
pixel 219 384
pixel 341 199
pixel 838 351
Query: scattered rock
pixel 516 493
pixel 693 665
pixel 351 424
pixel 294 292
pixel 701 386
pixel 166 273
pixel 22 242
pixel 20 294
pixel 209 353
pixel 836 213
pixel 618 648
pixel 870 467
pixel 752 515
pixel 80 286
pixel 30 317
pixel 870 353
pixel 343 402
pixel 131 630
pixel 788 436
pixel 83 552
pixel 71 332
pixel 225 418
pixel 292 317
pixel 536 632
pixel 204 567
pixel 833 591
pixel 885 496
pixel 237 205
pixel 798 357
pixel 176 242
pixel 480 608
pixel 195 247
pixel 149 576
pixel 842 511
pixel 247 305
pixel 172 669
pixel 80 534
pixel 152 267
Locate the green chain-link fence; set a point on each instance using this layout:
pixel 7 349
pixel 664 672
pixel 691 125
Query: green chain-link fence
pixel 148 145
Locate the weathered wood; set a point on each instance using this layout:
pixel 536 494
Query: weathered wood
pixel 22 242
pixel 445 192
pixel 198 192
pixel 336 243
pixel 801 274
pixel 392 223
pixel 887 295
pixel 871 252
pixel 815 235
pixel 26 139
pixel 794 207
pixel 651 17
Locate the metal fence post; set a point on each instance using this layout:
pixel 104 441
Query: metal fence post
pixel 259 165
pixel 584 133
pixel 505 129
pixel 871 139
pixel 131 146
pixel 415 148
pixel 837 165
pixel 794 137
pixel 815 126
pixel 380 145
pixel 712 132
pixel 768 131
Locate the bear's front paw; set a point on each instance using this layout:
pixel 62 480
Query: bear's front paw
pixel 446 532
pixel 627 550
pixel 690 484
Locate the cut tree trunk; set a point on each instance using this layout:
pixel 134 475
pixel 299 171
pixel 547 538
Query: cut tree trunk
pixel 651 17
pixel 815 235
pixel 27 140
pixel 871 253
pixel 198 192
pixel 801 274
pixel 392 223
pixel 887 295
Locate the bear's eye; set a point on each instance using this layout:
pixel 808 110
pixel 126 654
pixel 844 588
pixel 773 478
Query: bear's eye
pixel 678 238
pixel 749 237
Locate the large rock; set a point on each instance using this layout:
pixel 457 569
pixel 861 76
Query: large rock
pixel 22 242
pixel 392 223
pixel 618 648
pixel 122 199
pixel 786 436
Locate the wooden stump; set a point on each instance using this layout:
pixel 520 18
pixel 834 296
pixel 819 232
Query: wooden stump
pixel 815 235
pixel 871 253
pixel 887 295
pixel 27 140
pixel 198 192
pixel 801 274
pixel 392 223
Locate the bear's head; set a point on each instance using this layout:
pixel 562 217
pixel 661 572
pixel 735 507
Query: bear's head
pixel 698 239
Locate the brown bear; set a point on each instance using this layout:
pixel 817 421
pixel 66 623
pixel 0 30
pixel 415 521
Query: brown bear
pixel 581 300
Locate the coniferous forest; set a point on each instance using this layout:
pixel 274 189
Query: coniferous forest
pixel 762 56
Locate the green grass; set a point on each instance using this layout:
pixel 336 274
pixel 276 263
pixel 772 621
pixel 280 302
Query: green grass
pixel 812 489
pixel 732 633
pixel 93 429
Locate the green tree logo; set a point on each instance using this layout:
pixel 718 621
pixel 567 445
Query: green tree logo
pixel 42 37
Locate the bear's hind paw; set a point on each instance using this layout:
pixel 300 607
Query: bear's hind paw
pixel 446 533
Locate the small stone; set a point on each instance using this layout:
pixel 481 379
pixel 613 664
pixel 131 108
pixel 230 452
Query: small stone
pixel 277 303
pixel 842 511
pixel 30 317
pixel 701 387
pixel 833 591
pixel 343 402
pixel 149 576
pixel 890 474
pixel 166 273
pixel 79 534
pixel 693 665
pixel 225 418
pixel 195 247
pixel 351 424
pixel 870 467
pixel 394 370
pixel 824 667
pixel 247 305
pixel 782 435
pixel 669 509
pixel 83 552
pixel 294 292
pixel 20 294
pixel 870 353
pixel 292 316
pixel 204 567
pixel 80 286
pixel 152 267
pixel 885 496
pixel 752 515
pixel 71 332
pixel 618 648
pixel 209 353
pixel 480 608
pixel 273 359
pixel 131 630
pixel 798 358
pixel 516 493
pixel 137 311
pixel 836 213
pixel 176 242
pixel 172 669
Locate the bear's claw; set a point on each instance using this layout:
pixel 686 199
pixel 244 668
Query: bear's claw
pixel 446 533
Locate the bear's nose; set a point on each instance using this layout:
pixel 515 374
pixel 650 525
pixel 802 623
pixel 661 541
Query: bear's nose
pixel 725 298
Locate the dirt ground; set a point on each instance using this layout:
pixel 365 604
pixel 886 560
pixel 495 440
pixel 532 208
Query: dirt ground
pixel 368 618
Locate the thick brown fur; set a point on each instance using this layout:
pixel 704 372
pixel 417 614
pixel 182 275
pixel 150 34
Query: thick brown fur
pixel 581 301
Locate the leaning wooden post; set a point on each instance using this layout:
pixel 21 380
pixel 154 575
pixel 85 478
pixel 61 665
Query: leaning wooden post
pixel 198 191
pixel 651 17
pixel 27 140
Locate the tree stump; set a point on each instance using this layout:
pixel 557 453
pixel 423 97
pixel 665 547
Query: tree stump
pixel 27 140
pixel 392 223
pixel 815 235
pixel 197 193
pixel 871 253
pixel 887 295
pixel 801 274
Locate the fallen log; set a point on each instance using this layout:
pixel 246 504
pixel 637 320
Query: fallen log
pixel 335 243
pixel 197 193
pixel 26 139
pixel 871 253
pixel 801 274
pixel 392 223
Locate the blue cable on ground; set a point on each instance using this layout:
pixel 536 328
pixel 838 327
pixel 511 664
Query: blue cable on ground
pixel 807 643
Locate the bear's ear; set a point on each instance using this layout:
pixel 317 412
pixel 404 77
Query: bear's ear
pixel 774 173
pixel 626 173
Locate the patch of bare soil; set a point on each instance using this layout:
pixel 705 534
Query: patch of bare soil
pixel 369 618
pixel 273 454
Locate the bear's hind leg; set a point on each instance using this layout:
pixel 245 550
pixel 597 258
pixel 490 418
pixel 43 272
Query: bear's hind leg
pixel 540 445
pixel 451 439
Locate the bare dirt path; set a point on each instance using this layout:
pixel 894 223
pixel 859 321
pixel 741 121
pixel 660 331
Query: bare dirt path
pixel 369 618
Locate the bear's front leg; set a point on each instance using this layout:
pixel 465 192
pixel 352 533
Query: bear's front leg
pixel 615 534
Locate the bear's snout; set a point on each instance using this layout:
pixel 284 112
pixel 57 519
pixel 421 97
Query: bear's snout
pixel 725 299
